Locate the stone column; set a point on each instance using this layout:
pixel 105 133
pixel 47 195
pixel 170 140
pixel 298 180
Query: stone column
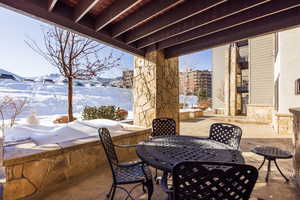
pixel 155 88
pixel 233 80
pixel 227 82
pixel 296 143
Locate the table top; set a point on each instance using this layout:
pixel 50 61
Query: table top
pixel 165 152
pixel 272 152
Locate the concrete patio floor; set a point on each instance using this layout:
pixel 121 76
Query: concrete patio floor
pixel 96 184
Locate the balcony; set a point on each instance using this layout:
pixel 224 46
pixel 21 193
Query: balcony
pixel 243 62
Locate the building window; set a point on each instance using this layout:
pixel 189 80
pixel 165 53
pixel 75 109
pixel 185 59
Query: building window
pixel 297 87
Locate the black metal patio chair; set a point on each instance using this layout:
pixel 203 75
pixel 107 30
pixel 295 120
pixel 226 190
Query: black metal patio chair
pixel 124 173
pixel 226 133
pixel 162 127
pixel 213 181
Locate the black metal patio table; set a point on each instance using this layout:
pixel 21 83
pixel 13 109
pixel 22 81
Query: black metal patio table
pixel 165 152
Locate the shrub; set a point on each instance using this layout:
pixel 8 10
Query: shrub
pixel 102 112
pixel 121 114
pixel 62 120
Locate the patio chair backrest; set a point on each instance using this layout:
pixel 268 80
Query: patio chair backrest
pixel 226 133
pixel 108 147
pixel 163 127
pixel 213 181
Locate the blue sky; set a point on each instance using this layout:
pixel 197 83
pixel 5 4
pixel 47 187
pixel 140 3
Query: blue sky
pixel 17 57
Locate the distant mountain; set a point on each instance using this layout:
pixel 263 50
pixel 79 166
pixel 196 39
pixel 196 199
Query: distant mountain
pixel 18 78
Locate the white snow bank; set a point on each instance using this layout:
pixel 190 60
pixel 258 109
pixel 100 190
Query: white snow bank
pixel 189 110
pixel 41 134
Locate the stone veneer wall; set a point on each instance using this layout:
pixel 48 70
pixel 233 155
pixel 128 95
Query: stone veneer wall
pixel 296 143
pixel 31 175
pixel 190 115
pixel 155 88
pixel 283 123
pixel 260 113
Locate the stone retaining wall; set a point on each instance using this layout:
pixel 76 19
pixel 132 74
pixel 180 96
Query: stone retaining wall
pixel 260 113
pixel 31 170
pixel 190 115
pixel 296 143
pixel 283 123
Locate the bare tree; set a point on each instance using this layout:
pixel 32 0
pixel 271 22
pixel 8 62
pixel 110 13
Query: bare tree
pixel 74 56
pixel 10 108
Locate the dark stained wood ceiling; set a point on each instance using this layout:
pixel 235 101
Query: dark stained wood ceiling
pixel 176 26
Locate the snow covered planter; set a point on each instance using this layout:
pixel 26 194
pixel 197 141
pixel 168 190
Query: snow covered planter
pixel 41 158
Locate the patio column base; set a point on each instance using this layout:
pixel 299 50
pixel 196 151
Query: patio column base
pixel 155 88
pixel 296 143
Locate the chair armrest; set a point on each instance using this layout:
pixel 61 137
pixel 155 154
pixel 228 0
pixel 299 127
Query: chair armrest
pixel 164 183
pixel 130 164
pixel 126 145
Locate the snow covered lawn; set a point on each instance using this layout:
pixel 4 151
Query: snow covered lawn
pixel 49 101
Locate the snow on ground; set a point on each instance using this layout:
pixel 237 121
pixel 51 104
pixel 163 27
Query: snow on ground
pixel 49 101
pixel 41 134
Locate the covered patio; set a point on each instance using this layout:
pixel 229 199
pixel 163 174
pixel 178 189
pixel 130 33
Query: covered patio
pixel 157 32
pixel 94 185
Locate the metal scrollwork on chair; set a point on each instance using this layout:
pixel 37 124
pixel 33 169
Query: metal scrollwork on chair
pixel 163 127
pixel 208 180
pixel 226 133
pixel 124 173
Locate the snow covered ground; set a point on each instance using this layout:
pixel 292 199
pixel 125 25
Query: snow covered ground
pixel 50 100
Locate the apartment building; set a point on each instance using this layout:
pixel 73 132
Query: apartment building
pixel 127 78
pixel 259 78
pixel 192 81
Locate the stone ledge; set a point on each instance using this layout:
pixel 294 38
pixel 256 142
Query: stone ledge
pixel 20 153
pixel 29 174
pixel 295 110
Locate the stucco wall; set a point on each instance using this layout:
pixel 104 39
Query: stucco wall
pixel 289 69
pixel 218 66
pixel 262 70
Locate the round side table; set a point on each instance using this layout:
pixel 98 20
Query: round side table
pixel 271 154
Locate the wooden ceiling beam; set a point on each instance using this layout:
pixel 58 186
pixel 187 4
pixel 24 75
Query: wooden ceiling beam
pixel 51 4
pixel 145 13
pixel 179 13
pixel 216 13
pixel 277 22
pixel 252 14
pixel 62 17
pixel 111 13
pixel 83 7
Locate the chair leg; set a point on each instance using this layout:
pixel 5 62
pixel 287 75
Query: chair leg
pixel 269 169
pixel 144 190
pixel 109 193
pixel 155 177
pixel 113 192
pixel 149 186
pixel 262 163
pixel 287 180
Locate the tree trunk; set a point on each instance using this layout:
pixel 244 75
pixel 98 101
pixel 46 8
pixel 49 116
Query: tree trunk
pixel 70 99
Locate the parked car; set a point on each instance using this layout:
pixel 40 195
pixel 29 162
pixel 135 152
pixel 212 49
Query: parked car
pixel 47 80
pixel 7 76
